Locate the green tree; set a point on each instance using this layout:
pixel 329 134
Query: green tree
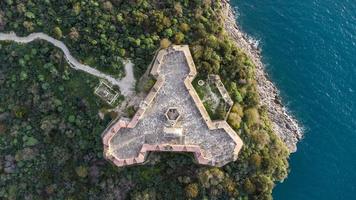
pixel 108 6
pixel 237 97
pixel 168 32
pixel 28 25
pixel 252 116
pixel 81 171
pixel 184 27
pixel 252 97
pixel 76 8
pixel 255 160
pixel 263 184
pixel 122 52
pixel 147 194
pixel 234 120
pixel 178 8
pixel 74 34
pixel 237 108
pixel 249 187
pixel 179 37
pixel 57 32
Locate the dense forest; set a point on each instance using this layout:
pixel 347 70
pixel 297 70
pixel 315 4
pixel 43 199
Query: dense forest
pixel 50 132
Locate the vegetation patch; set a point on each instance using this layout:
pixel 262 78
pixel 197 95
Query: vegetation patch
pixel 212 99
pixel 50 144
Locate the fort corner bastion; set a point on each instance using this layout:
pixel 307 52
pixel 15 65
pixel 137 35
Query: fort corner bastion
pixel 171 118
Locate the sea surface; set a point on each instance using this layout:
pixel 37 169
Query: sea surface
pixel 309 48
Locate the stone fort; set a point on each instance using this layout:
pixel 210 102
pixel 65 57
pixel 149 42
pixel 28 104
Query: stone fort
pixel 171 118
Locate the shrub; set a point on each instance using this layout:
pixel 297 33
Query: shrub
pixel 179 37
pixel 255 161
pixel 81 171
pixel 236 96
pixel 192 190
pixel 148 85
pixel 74 34
pixel 130 111
pixel 57 32
pixel 252 116
pixel 252 97
pixel 107 6
pixel 260 138
pixel 237 108
pixel 221 111
pixel 234 120
pixel 211 177
pixel 184 27
pixel 165 43
pixel 230 186
pixel 147 194
pixel 168 32
pixel 263 184
pixel 249 187
pixel 178 8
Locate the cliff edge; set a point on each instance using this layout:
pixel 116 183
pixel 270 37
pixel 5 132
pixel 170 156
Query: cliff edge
pixel 284 124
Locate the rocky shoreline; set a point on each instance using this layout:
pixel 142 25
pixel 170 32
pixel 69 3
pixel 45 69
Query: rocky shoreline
pixel 284 124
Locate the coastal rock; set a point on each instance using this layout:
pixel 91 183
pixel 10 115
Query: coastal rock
pixel 284 124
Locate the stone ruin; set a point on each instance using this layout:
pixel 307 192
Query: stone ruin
pixel 106 93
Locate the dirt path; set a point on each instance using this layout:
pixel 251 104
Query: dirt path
pixel 126 84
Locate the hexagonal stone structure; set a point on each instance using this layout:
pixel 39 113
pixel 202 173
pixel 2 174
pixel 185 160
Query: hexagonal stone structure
pixel 172 116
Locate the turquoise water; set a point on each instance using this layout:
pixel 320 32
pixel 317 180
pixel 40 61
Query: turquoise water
pixel 309 47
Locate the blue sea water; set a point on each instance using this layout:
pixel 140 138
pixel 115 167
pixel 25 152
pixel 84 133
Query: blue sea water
pixel 309 47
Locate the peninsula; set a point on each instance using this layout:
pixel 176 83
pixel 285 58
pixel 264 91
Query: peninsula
pixel 171 91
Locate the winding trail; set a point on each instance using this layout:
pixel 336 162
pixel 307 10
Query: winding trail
pixel 126 84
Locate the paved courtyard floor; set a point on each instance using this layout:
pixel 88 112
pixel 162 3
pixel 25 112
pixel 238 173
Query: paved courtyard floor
pixel 215 145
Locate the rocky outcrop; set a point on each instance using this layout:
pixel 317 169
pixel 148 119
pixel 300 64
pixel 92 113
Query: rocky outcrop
pixel 284 124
